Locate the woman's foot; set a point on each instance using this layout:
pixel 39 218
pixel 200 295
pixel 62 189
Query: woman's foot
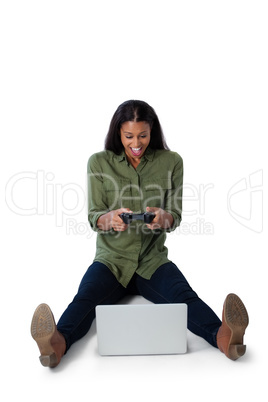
pixel 50 341
pixel 234 324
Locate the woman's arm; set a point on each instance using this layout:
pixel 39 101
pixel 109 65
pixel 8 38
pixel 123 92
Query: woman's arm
pixel 169 217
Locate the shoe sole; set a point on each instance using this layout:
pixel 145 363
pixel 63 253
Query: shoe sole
pixel 42 329
pixel 236 318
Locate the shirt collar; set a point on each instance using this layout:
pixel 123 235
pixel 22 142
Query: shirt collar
pixel 149 155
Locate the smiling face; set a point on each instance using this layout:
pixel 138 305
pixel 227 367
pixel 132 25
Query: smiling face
pixel 135 137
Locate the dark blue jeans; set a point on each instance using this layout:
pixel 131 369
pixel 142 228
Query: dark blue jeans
pixel 167 285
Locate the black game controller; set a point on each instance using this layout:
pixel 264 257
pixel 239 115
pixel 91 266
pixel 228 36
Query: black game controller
pixel 128 217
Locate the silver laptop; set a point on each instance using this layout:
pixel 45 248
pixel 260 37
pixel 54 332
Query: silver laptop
pixel 142 329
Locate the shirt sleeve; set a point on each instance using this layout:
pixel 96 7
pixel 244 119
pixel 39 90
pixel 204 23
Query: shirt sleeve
pixel 173 201
pixel 96 203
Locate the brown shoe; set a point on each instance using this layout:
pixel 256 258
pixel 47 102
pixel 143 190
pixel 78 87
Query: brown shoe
pixel 234 324
pixel 50 341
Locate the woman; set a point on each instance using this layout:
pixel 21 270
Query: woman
pixel 136 173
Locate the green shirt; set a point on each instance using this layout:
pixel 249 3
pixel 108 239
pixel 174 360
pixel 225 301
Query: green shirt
pixel 113 183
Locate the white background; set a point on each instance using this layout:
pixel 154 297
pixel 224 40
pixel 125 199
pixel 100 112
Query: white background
pixel 65 67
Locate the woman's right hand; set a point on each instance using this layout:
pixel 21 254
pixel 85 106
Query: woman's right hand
pixel 112 220
pixel 117 222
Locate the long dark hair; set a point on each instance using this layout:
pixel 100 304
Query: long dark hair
pixel 134 110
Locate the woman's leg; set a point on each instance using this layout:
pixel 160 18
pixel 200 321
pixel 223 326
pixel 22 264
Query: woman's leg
pixel 98 286
pixel 168 285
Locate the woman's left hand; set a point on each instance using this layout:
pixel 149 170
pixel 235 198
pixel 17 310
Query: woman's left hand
pixel 162 219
